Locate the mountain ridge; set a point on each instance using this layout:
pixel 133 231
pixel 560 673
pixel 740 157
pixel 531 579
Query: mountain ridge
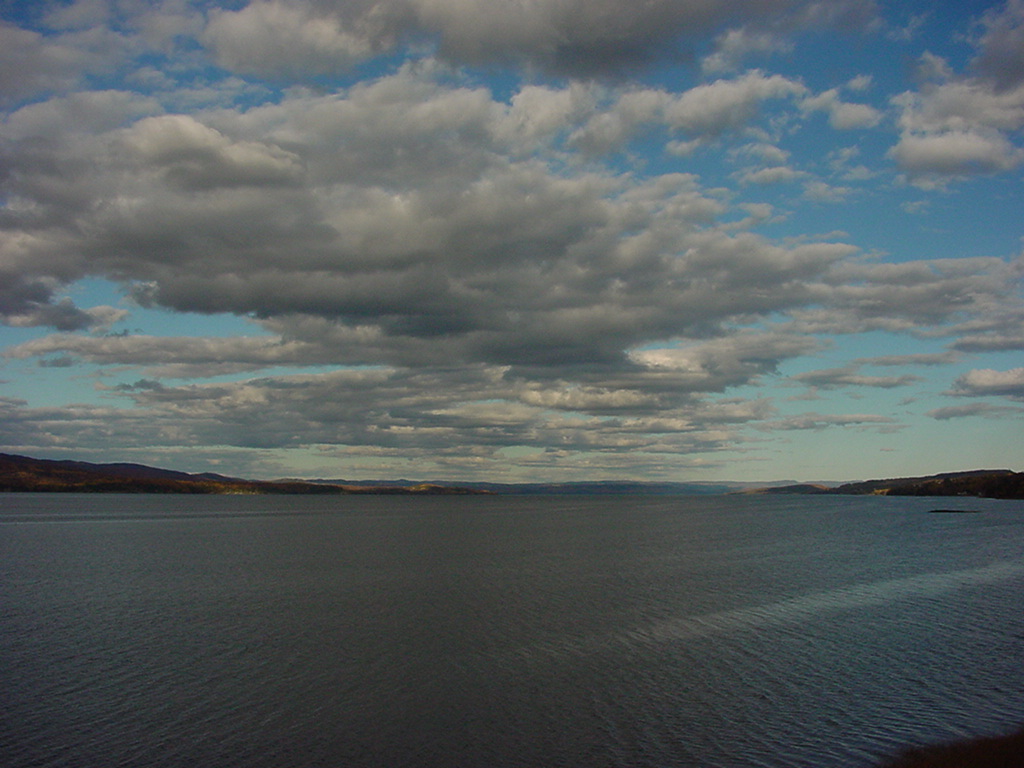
pixel 981 483
pixel 27 474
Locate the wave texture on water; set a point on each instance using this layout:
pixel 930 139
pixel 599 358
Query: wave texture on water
pixel 632 632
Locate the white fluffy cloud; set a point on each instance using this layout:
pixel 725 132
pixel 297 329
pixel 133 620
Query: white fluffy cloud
pixel 955 153
pixel 956 127
pixel 985 381
pixel 735 45
pixel 843 115
pixel 286 39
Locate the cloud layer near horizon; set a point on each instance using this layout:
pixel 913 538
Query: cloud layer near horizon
pixel 519 271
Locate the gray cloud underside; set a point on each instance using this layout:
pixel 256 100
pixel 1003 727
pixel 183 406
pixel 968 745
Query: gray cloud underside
pixel 409 222
pixel 578 37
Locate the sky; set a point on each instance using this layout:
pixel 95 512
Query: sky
pixel 514 240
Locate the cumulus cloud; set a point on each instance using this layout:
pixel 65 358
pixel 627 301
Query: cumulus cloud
pixel 958 126
pixel 578 36
pixel 702 113
pixel 842 115
pixel 721 363
pixel 954 153
pixel 775 174
pixel 565 37
pixel 822 192
pixel 288 39
pixel 459 264
pixel 1001 45
pixel 31 64
pixel 726 104
pixel 735 45
pixel 910 296
pixel 198 157
pixel 397 212
pixel 983 382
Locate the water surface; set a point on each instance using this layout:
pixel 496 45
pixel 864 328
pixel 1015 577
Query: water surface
pixel 166 631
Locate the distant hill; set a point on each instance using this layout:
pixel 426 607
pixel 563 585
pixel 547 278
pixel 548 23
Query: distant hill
pixel 25 474
pixel 983 483
pixel 592 488
pixel 803 488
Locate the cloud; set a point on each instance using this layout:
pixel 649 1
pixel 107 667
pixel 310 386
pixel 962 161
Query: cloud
pixel 848 376
pixel 577 37
pixel 842 115
pixel 465 270
pixel 821 192
pixel 703 112
pixel 990 342
pixel 401 216
pixel 926 158
pixel 985 410
pixel 31 63
pixel 957 127
pixel 913 295
pixel 726 104
pixel 735 45
pixel 917 358
pixel 721 363
pixel 1001 45
pixel 447 420
pixel 288 39
pixel 999 327
pixel 176 357
pixel 818 421
pixel 775 174
pixel 81 113
pixel 197 157
pixel 26 303
pixel 983 382
pixel 582 37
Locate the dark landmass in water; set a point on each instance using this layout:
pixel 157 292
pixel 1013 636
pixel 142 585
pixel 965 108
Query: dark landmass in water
pixel 979 483
pixel 989 752
pixel 985 483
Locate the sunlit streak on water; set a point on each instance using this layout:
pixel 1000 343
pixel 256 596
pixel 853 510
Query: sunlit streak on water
pixel 801 609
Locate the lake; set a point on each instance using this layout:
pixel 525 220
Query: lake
pixel 494 631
